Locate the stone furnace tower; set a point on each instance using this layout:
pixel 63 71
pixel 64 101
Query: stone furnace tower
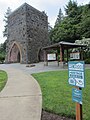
pixel 27 33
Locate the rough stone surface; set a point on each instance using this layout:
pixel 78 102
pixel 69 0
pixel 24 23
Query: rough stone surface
pixel 28 30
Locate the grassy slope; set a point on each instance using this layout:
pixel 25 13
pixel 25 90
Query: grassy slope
pixel 3 79
pixel 57 93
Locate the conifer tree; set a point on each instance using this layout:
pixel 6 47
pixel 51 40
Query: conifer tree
pixel 59 17
pixel 5 32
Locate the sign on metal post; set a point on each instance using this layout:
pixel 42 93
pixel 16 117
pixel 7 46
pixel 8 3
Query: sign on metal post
pixel 76 73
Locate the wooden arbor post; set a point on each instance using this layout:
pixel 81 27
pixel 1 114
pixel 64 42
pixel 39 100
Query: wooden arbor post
pixel 45 58
pixel 61 55
pixel 81 56
pixel 67 55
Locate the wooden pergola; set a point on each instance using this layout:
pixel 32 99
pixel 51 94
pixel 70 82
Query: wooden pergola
pixel 62 46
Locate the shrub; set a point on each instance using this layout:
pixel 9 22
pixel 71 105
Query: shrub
pixel 2 58
pixel 87 61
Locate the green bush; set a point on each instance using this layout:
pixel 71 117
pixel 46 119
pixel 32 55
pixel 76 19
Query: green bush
pixel 87 61
pixel 2 58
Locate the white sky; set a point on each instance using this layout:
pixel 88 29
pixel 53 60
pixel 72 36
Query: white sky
pixel 51 7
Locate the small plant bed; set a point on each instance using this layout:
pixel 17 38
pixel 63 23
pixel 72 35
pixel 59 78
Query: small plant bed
pixel 3 79
pixel 57 94
pixel 51 116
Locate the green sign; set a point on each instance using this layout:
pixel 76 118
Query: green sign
pixel 77 95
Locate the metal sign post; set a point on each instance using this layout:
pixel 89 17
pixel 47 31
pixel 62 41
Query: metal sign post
pixel 77 78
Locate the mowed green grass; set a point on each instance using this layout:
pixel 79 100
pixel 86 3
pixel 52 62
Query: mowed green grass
pixel 3 79
pixel 57 93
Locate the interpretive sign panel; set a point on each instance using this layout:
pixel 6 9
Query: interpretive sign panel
pixel 75 55
pixel 77 95
pixel 51 56
pixel 76 73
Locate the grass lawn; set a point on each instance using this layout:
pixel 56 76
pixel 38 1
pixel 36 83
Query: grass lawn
pixel 57 93
pixel 3 79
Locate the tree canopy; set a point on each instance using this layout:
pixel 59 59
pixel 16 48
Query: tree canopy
pixel 59 17
pixel 6 22
pixel 74 25
pixel 5 33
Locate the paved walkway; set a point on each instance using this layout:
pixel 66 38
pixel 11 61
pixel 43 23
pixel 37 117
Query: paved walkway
pixel 21 98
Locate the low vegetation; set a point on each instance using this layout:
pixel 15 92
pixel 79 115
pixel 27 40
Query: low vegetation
pixel 3 79
pixel 2 52
pixel 57 93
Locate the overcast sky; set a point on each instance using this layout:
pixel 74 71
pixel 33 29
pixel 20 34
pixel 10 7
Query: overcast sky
pixel 51 7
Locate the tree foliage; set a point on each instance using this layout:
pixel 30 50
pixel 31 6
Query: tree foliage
pixel 5 32
pixel 71 9
pixel 74 25
pixel 59 17
pixel 86 53
pixel 84 41
pixel 2 52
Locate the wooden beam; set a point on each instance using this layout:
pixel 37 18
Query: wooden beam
pixel 81 54
pixel 78 109
pixel 67 55
pixel 61 54
pixel 45 58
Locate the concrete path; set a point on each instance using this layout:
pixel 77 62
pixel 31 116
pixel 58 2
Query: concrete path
pixel 21 98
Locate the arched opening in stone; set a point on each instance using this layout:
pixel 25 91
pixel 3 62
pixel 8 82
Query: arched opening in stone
pixel 14 54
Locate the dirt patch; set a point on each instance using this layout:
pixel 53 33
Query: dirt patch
pixel 31 65
pixel 51 116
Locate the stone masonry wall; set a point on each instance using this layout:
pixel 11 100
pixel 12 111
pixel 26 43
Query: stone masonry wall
pixel 27 27
pixel 37 32
pixel 17 31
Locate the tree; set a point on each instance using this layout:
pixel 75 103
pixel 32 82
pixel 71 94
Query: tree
pixel 85 23
pixel 5 32
pixel 2 52
pixel 49 27
pixel 71 9
pixel 85 41
pixel 59 17
pixel 69 28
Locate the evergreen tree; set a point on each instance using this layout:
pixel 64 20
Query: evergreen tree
pixel 2 52
pixel 71 8
pixel 49 27
pixel 69 29
pixel 5 32
pixel 59 17
pixel 85 23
